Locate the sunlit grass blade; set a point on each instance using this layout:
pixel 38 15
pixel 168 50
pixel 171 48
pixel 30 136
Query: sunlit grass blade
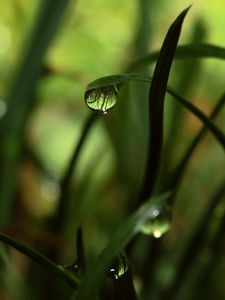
pixel 72 280
pixel 123 78
pixel 177 175
pixel 91 284
pixel 117 80
pixel 21 98
pixel 184 52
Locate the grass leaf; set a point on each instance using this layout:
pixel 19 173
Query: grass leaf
pixel 72 280
pixel 21 98
pixel 179 170
pixel 91 285
pixel 184 52
pixel 156 105
pixel 123 78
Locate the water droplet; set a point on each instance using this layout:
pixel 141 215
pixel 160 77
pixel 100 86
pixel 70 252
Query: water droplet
pixel 158 223
pixel 119 266
pixel 103 99
pixel 74 268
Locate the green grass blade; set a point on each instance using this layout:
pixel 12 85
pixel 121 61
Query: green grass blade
pixel 59 220
pixel 185 80
pixel 179 170
pixel 199 241
pixel 72 280
pixel 198 113
pixel 184 52
pixel 123 78
pixel 21 100
pixel 156 105
pixel 91 284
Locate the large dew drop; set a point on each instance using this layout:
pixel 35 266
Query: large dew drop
pixel 158 223
pixel 101 100
pixel 119 266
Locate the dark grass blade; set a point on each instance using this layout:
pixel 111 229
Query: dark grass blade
pixel 217 254
pixel 186 78
pixel 184 52
pixel 21 100
pixel 59 219
pixel 198 113
pixel 123 288
pixel 91 284
pixel 156 106
pixel 199 241
pixel 80 261
pixel 72 280
pixel 177 174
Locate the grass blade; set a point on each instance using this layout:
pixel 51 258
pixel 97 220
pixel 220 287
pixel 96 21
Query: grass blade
pixel 179 170
pixel 21 100
pixel 73 281
pixel 184 52
pixel 156 105
pixel 90 286
pixel 199 241
pixel 198 113
pixel 62 210
pixel 123 78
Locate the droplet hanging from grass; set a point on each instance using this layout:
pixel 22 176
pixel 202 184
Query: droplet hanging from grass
pixel 158 223
pixel 119 266
pixel 74 268
pixel 102 99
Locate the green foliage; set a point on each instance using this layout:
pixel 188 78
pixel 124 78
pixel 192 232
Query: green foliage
pixel 127 187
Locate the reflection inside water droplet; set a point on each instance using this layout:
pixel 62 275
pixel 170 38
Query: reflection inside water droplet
pixel 158 223
pixel 118 267
pixel 103 99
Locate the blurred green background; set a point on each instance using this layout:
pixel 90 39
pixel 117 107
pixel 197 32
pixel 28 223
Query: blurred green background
pixel 98 38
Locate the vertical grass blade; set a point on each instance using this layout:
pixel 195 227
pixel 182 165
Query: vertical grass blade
pixel 63 205
pixel 199 241
pixel 21 100
pixel 156 105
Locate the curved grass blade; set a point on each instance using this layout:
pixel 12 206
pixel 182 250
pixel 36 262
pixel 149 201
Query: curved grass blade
pixel 91 284
pixel 186 79
pixel 184 52
pixel 198 113
pixel 117 80
pixel 124 78
pixel 179 170
pixel 72 280
pixel 156 105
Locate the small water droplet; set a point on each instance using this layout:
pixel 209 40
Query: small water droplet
pixel 159 222
pixel 74 268
pixel 103 99
pixel 118 267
